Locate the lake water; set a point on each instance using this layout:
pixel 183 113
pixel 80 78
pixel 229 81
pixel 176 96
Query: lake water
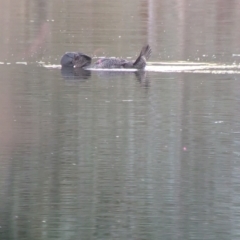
pixel 120 155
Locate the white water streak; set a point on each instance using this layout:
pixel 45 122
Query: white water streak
pixel 188 67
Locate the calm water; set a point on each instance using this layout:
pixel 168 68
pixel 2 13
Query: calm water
pixel 99 155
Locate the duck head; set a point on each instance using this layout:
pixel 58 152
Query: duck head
pixel 75 59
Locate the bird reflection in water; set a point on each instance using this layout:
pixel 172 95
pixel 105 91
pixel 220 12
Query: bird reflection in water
pixel 76 74
pixel 69 73
pixel 142 78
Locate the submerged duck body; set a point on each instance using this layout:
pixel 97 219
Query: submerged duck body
pixel 83 61
pixel 139 63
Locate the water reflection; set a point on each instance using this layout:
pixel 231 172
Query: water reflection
pixel 70 73
pixel 141 76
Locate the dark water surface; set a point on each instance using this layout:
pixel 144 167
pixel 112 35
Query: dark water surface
pixel 99 155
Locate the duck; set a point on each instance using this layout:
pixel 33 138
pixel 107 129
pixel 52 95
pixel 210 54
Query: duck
pixel 80 60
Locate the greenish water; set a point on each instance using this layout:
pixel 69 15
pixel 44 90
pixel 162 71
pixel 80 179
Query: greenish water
pixel 119 155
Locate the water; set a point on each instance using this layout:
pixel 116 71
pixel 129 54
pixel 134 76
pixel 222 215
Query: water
pixel 120 155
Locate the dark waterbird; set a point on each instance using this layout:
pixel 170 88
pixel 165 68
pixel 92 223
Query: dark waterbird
pixel 80 60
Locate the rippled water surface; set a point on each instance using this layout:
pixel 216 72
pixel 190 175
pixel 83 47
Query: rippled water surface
pixel 120 155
